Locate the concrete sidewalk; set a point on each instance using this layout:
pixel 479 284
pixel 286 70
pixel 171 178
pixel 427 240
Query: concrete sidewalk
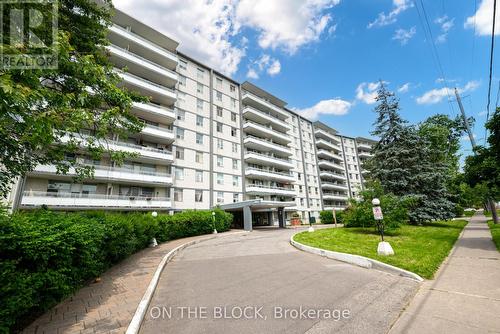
pixel 109 305
pixel 465 296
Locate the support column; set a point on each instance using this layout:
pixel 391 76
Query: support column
pixel 281 217
pixel 270 218
pixel 247 218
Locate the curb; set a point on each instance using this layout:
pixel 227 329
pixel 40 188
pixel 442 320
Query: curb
pixel 357 260
pixel 140 312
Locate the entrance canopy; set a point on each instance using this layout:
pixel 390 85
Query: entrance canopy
pixel 257 205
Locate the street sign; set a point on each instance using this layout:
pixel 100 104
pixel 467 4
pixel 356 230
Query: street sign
pixel 377 213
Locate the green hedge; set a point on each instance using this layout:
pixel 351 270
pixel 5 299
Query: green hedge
pixel 326 216
pixel 46 256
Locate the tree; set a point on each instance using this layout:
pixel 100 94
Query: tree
pixel 44 112
pixel 484 166
pixel 406 165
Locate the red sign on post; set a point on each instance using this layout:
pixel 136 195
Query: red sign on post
pixel 377 213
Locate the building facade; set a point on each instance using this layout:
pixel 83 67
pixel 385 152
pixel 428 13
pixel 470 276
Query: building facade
pixel 208 141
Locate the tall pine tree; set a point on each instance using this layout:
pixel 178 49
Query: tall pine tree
pixel 403 162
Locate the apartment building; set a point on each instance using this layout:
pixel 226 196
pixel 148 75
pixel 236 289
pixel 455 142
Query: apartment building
pixel 208 141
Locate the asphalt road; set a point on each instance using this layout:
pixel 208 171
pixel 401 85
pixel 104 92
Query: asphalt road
pixel 258 283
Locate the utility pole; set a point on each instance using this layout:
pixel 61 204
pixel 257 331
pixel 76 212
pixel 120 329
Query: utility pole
pixel 491 202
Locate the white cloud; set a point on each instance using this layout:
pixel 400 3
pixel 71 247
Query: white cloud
pixel 285 24
pixel 265 63
pixel 439 94
pixel 445 24
pixel 483 19
pixel 403 36
pixel 384 19
pixel 335 107
pixel 404 88
pixel 211 31
pixel 367 96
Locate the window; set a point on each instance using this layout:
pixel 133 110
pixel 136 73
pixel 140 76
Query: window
pixel 220 161
pixel 234 132
pixel 200 73
pixel 199 138
pixel 220 178
pixel 181 97
pixel 199 120
pixel 219 82
pixel 235 164
pixel 220 197
pixel 179 173
pixel 233 103
pixel 299 176
pixel 199 88
pixel 181 115
pixel 235 148
pixel 219 127
pixel 219 111
pixel 199 104
pixel 232 88
pixel 179 153
pixel 236 198
pixel 218 95
pixel 233 116
pixel 236 181
pixel 199 157
pixel 220 144
pixel 178 195
pixel 182 80
pixel 199 176
pixel 183 64
pixel 179 133
pixel 198 195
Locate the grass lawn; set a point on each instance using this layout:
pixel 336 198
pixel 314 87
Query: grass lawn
pixel 495 233
pixel 419 249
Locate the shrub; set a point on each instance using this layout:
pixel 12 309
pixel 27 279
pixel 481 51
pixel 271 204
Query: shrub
pixel 459 210
pixel 46 256
pixel 326 216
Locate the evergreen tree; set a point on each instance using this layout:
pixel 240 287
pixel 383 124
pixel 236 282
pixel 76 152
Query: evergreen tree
pixel 404 163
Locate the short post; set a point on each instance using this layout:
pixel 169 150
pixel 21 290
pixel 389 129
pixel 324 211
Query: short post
pixel 334 218
pixel 311 228
pixel 213 222
pixel 153 242
pixel 384 248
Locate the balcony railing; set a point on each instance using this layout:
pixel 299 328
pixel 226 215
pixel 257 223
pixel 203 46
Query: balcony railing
pixel 268 127
pixel 269 171
pixel 29 193
pixel 111 47
pixel 267 103
pixel 268 114
pixel 270 187
pixel 144 40
pixel 146 81
pixel 267 156
pixel 269 141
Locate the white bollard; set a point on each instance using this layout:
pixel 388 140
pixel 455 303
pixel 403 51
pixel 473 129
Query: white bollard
pixel 153 243
pixel 384 248
pixel 310 229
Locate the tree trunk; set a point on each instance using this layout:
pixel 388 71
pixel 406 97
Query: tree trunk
pixel 493 210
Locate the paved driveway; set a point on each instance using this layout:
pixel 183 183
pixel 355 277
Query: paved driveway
pixel 208 286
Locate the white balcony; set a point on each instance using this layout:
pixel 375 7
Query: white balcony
pixel 157 134
pixel 262 117
pixel 254 189
pixel 335 197
pixel 332 175
pixel 364 146
pixel 154 112
pixel 259 103
pixel 330 165
pixel 143 47
pixel 364 154
pixel 145 153
pixel 264 174
pixel 331 185
pixel 260 130
pixel 158 93
pixel 104 173
pixel 34 199
pixel 268 160
pixel 327 145
pixel 329 155
pixel 261 144
pixel 320 133
pixel 141 66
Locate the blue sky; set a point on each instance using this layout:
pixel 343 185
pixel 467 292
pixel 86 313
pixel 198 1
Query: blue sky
pixel 324 57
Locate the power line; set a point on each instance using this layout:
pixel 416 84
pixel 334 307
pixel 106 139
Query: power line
pixel 429 36
pixel 491 64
